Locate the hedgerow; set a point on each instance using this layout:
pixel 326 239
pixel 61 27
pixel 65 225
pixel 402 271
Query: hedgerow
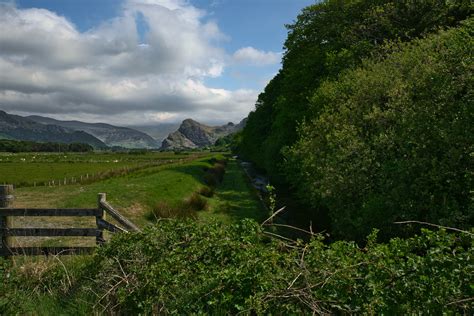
pixel 177 267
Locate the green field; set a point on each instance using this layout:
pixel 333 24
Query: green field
pixel 165 178
pixel 52 169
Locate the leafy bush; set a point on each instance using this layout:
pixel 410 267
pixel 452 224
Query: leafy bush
pixel 393 140
pixel 182 267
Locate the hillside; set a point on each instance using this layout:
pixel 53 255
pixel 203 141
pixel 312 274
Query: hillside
pixel 16 127
pixel 192 134
pixel 109 134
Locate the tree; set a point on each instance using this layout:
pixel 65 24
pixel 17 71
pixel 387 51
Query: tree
pixel 326 39
pixel 393 139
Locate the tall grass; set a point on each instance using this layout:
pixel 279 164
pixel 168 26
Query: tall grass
pixel 215 174
pixel 206 191
pixel 186 208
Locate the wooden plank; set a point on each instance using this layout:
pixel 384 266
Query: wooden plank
pixel 45 251
pixel 6 199
pixel 99 239
pixel 49 212
pixel 3 239
pixel 103 224
pixel 117 216
pixel 6 195
pixel 42 232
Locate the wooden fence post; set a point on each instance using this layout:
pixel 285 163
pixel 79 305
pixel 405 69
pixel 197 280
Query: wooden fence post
pixel 6 199
pixel 99 239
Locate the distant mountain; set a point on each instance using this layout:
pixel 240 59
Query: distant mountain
pixel 21 128
pixel 157 131
pixel 192 134
pixel 109 134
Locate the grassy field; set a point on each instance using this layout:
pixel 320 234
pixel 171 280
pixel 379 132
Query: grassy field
pixel 53 169
pixel 134 194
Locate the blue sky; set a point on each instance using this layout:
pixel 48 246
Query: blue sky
pixel 156 60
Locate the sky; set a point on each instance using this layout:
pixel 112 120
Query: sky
pixel 140 62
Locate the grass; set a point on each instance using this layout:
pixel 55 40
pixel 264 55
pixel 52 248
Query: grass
pixel 134 195
pixel 234 198
pixel 44 168
pixel 173 190
pixel 164 209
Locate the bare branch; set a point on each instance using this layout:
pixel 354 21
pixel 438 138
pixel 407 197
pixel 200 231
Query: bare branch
pixel 435 225
pixel 274 214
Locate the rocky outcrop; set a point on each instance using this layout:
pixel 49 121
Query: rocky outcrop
pixel 109 134
pixel 20 128
pixel 192 134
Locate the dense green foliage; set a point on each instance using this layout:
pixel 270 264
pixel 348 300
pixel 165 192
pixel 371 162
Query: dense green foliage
pixel 179 267
pixel 394 139
pixel 383 94
pixel 327 38
pixel 14 146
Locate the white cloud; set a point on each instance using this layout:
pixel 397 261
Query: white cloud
pixel 256 57
pixel 111 72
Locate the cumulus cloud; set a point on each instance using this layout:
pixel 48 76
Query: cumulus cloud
pixel 113 72
pixel 257 57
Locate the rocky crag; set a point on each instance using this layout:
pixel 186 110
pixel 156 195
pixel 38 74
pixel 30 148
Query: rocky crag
pixel 192 134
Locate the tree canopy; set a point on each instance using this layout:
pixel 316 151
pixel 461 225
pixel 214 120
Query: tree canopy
pixel 383 99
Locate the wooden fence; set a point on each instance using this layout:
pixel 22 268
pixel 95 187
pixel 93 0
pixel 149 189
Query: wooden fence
pixel 99 213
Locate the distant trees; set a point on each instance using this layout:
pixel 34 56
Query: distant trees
pixel 384 118
pixel 28 146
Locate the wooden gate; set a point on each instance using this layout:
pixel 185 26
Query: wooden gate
pixel 99 213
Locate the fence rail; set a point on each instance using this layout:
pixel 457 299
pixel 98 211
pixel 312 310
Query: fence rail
pixel 99 213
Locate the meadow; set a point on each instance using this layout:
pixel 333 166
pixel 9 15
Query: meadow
pixel 136 185
pixel 53 169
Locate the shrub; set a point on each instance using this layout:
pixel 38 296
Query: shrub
pixel 215 174
pixel 222 162
pixel 206 191
pixel 182 267
pixel 196 202
pixel 164 209
pixel 210 179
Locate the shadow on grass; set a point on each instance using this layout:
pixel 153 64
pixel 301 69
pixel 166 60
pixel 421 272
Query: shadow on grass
pixel 237 200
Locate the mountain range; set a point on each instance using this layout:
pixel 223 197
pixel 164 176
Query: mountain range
pixel 109 134
pixel 20 128
pixel 189 135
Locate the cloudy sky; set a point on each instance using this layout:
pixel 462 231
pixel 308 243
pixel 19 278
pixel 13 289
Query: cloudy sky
pixel 140 62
